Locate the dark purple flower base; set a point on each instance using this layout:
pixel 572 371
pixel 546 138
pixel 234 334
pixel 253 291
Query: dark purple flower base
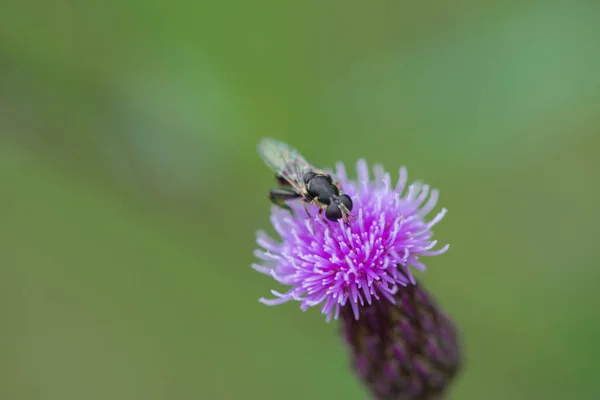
pixel 404 351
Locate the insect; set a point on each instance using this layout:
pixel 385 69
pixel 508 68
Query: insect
pixel 301 180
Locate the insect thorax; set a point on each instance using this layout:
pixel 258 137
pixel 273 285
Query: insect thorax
pixel 322 188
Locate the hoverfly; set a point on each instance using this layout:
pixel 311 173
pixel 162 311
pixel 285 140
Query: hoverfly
pixel 301 180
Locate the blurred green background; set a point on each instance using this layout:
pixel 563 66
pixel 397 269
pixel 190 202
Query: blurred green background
pixel 131 189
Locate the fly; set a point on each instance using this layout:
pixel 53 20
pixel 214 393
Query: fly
pixel 301 180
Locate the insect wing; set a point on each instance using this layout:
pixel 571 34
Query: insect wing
pixel 285 161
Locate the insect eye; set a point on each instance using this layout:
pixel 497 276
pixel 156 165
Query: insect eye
pixel 333 212
pixel 347 201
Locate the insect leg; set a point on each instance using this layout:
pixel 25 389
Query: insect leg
pixel 347 216
pixel 280 196
pixel 321 214
pixel 312 221
pixel 283 182
pixel 347 220
pixel 306 209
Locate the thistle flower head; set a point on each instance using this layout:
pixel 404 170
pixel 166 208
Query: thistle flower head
pixel 333 264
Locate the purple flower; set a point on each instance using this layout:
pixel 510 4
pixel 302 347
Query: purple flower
pixel 333 265
pixel 402 345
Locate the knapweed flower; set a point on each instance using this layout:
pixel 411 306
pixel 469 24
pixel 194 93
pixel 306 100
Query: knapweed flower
pixel 401 344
